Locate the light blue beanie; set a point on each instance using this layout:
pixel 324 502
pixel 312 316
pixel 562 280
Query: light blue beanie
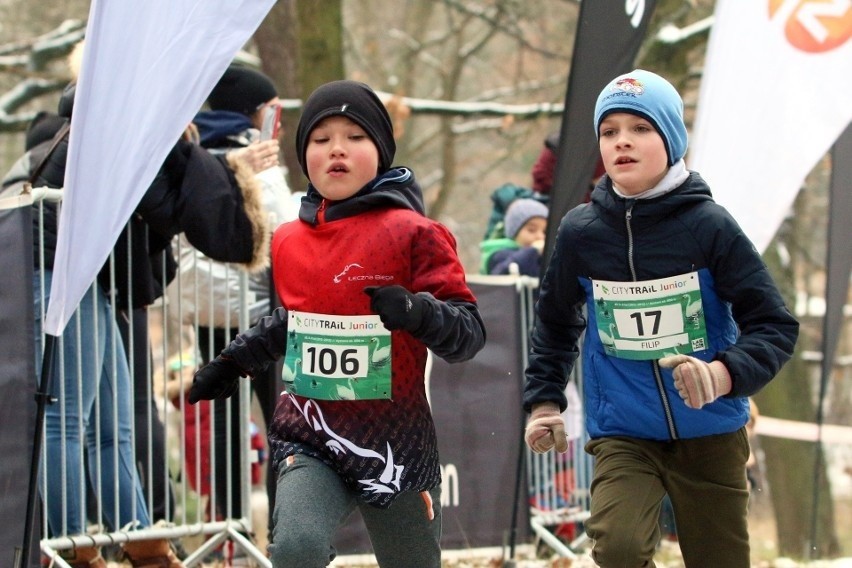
pixel 650 96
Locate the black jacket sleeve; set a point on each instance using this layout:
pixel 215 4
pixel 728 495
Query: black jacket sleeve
pixel 452 330
pixel 214 200
pixel 257 347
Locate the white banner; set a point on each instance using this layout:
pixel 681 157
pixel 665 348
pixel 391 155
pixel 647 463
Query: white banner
pixel 776 94
pixel 147 68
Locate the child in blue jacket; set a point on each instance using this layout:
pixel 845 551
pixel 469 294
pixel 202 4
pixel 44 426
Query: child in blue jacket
pixel 682 323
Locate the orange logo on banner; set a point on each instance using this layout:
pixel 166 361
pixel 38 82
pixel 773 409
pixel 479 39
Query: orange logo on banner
pixel 816 25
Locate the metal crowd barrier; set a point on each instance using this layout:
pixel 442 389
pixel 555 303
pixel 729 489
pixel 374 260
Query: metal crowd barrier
pixel 188 515
pixel 558 484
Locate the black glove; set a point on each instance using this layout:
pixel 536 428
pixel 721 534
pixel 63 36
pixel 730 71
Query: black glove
pixel 219 379
pixel 397 307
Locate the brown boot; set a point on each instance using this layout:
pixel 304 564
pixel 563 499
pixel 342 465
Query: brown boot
pixel 151 554
pixel 82 557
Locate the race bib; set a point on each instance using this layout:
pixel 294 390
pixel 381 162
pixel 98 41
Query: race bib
pixel 652 318
pixel 337 357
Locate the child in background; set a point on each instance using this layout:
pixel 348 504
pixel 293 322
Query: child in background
pixel 196 420
pixel 525 226
pixel 367 284
pixel 684 323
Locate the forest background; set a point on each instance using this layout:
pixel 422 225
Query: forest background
pixel 477 86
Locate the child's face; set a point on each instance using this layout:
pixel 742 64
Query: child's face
pixel 533 230
pixel 340 158
pixel 633 153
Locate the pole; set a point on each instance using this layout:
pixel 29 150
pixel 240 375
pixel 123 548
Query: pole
pixel 519 476
pixel 43 398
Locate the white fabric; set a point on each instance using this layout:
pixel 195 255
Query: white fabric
pixel 768 110
pixel 573 413
pixel 147 68
pixel 675 175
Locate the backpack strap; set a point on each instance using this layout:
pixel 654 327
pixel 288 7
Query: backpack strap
pixel 57 138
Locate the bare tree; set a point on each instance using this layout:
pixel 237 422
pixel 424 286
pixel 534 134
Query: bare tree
pixel 277 44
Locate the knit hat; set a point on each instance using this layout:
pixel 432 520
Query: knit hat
pixel 355 101
pixel 653 98
pixel 519 212
pixel 241 89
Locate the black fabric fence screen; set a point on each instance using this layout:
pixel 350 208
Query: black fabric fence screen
pixel 17 383
pixel 478 415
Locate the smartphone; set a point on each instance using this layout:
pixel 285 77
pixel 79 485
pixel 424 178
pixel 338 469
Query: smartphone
pixel 271 122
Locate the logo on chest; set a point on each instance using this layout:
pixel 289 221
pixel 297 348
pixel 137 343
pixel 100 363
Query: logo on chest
pixel 356 273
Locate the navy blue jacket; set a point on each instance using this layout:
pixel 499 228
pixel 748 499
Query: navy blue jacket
pixel 749 328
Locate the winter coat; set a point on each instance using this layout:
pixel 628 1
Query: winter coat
pixel 321 265
pixel 214 200
pixel 205 280
pixel 499 259
pixel 749 328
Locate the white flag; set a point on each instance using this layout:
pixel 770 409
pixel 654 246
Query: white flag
pixel 776 94
pixel 148 66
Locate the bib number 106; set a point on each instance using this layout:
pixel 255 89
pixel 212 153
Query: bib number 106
pixel 334 361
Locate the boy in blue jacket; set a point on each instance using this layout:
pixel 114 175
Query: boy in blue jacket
pixel 684 323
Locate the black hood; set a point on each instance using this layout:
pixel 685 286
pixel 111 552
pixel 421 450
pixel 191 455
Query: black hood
pixel 395 188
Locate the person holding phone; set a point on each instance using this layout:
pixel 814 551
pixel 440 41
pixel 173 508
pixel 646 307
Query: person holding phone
pixel 244 113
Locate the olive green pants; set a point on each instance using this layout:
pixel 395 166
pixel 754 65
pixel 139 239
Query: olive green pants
pixel 706 481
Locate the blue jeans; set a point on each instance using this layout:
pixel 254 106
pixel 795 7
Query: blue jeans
pixel 93 412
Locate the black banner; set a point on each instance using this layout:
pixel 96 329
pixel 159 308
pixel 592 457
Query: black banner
pixel 17 383
pixel 838 268
pixel 478 415
pixel 839 261
pixel 609 34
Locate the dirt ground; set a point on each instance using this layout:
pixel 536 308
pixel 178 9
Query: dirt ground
pixel 763 542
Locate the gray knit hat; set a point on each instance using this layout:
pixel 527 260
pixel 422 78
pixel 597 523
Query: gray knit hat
pixel 355 101
pixel 519 212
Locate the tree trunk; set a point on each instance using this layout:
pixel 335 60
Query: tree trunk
pixel 319 36
pixel 301 46
pixel 278 48
pixel 320 44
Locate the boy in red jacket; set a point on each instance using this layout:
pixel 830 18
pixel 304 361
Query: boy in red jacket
pixel 367 283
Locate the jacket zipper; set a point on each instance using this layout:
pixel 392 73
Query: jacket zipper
pixel 321 211
pixel 658 376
